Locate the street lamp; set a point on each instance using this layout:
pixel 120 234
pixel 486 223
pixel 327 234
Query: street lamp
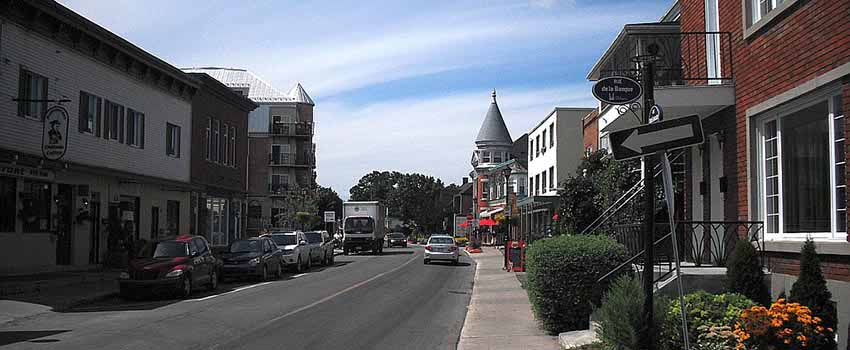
pixel 507 174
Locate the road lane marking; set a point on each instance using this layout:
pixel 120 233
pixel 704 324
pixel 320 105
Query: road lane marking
pixel 232 291
pixel 329 297
pixel 298 275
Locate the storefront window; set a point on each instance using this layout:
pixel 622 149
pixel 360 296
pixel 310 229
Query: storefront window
pixel 35 206
pixel 217 210
pixel 7 204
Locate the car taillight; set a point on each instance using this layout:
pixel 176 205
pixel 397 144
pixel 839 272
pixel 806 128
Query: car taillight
pixel 428 248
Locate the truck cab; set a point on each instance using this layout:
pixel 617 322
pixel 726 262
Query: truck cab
pixel 363 227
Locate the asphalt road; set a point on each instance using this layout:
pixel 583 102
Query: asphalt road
pixel 391 301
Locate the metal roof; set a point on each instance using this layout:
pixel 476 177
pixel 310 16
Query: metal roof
pixel 298 94
pixel 258 89
pixel 493 130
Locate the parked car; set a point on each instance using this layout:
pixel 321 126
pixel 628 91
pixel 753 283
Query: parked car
pixel 441 248
pixel 321 247
pixel 256 257
pixel 293 248
pixel 179 265
pixel 396 240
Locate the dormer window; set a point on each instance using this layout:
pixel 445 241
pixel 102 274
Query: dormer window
pixel 485 156
pixel 497 157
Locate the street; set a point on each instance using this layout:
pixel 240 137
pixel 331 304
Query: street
pixel 390 301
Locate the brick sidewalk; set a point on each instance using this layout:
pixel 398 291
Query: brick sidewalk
pixel 499 315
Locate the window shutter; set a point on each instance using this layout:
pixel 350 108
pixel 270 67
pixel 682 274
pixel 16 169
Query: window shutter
pixel 44 97
pixel 97 114
pixel 142 131
pixel 84 109
pixel 22 92
pixel 121 125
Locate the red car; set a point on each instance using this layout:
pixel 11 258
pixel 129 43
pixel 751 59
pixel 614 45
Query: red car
pixel 179 265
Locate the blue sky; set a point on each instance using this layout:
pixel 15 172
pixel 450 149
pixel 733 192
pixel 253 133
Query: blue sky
pixel 398 85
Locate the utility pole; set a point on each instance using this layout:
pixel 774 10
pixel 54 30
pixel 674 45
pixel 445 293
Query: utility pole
pixel 648 80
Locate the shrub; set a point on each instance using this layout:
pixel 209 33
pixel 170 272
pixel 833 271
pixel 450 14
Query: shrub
pixel 810 290
pixel 562 274
pixel 784 326
pixel 704 311
pixel 744 274
pixel 621 316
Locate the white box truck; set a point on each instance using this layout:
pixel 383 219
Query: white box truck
pixel 364 226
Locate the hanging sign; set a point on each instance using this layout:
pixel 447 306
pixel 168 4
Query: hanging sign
pixel 54 136
pixel 617 90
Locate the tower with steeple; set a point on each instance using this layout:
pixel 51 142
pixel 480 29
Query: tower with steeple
pixel 493 144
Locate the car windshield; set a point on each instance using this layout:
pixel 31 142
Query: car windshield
pixel 359 225
pixel 171 249
pixel 441 240
pixel 283 239
pixel 245 246
pixel 313 237
pixel 396 235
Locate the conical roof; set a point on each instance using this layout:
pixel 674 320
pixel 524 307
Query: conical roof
pixel 298 94
pixel 493 130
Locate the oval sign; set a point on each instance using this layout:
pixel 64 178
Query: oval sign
pixel 617 90
pixel 54 137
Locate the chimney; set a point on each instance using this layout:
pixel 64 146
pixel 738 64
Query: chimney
pixel 465 180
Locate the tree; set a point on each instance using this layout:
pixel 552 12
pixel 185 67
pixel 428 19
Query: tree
pixel 744 274
pixel 810 290
pixel 328 200
pixel 413 198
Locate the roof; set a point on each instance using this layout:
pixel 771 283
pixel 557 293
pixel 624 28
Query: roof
pixel 258 89
pixel 630 29
pixel 493 130
pixel 222 91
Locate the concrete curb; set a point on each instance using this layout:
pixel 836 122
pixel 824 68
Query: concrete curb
pixel 466 317
pixel 86 300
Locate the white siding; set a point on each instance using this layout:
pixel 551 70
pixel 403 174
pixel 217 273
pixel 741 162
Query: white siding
pixel 68 73
pixel 546 160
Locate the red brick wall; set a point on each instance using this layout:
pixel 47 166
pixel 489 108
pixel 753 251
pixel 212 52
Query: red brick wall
pixel 834 267
pixel 590 130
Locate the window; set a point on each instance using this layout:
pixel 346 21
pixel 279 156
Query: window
pixel 7 203
pixel 712 41
pixel 35 200
pixel 114 119
pixel 217 209
pixel 233 146
pixel 172 217
pixel 216 129
pixel 222 144
pixel 802 175
pixel 172 140
pixel 588 151
pixel 551 135
pixel 209 138
pixel 544 140
pixel 135 128
pixel 278 217
pixel 537 147
pixel 552 177
pixel 90 107
pixel 760 8
pixel 32 93
pixel 486 157
pixel 531 185
pixel 531 149
pixel 536 184
pixel 497 157
pixel 543 188
pixel 279 183
pixel 225 155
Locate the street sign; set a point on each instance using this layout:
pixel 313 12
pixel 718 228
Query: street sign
pixel 660 136
pixel 617 90
pixel 330 216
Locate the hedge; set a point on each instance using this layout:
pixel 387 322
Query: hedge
pixel 562 275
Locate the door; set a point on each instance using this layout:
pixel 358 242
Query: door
pixel 199 259
pixel 154 223
pixel 64 229
pixel 94 236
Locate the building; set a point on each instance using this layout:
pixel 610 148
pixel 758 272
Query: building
pixel 282 155
pixel 96 140
pixel 219 160
pixel 462 209
pixel 771 82
pixel 494 152
pixel 590 132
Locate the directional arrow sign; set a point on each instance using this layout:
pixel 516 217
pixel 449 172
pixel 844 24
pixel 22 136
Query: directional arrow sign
pixel 660 136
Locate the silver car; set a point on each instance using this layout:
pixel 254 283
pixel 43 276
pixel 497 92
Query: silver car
pixel 441 248
pixel 294 249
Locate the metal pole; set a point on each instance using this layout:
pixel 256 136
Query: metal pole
pixel 648 341
pixel 669 196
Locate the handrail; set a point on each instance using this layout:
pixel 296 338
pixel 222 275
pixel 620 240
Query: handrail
pixel 628 262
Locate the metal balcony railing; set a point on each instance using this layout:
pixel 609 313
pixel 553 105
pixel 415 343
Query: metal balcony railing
pixel 292 129
pixel 692 58
pixel 280 188
pixel 303 159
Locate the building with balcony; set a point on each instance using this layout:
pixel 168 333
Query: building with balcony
pixel 95 143
pixel 281 153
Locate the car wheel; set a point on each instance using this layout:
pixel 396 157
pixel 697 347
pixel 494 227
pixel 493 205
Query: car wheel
pixel 186 286
pixel 213 280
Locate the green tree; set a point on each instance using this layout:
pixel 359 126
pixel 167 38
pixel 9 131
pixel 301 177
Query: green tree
pixel 744 274
pixel 328 200
pixel 810 290
pixel 414 198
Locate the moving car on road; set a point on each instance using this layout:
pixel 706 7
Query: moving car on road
pixel 321 248
pixel 179 265
pixel 396 240
pixel 256 257
pixel 293 248
pixel 441 248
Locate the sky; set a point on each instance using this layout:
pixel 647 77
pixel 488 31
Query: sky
pixel 398 85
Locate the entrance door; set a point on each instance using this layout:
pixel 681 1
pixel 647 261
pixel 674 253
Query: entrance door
pixel 64 229
pixel 94 237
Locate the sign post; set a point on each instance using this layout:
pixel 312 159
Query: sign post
pixel 667 175
pixel 648 339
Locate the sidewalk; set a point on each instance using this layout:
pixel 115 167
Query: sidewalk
pixel 499 315
pixel 55 290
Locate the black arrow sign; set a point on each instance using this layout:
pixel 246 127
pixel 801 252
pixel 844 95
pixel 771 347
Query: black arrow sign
pixel 661 136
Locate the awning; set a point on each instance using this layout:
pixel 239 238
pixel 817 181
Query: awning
pixel 490 213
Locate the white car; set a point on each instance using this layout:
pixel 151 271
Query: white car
pixel 442 248
pixel 294 249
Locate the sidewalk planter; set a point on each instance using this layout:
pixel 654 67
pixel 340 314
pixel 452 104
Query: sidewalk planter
pixel 562 274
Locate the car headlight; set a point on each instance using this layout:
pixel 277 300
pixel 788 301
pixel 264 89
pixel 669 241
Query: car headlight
pixel 124 276
pixel 254 261
pixel 174 273
pixel 287 251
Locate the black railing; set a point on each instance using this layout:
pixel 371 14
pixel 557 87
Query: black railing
pixel 292 129
pixel 683 58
